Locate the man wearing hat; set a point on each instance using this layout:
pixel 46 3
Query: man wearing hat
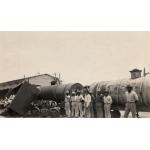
pixel 107 104
pixel 99 105
pixel 131 98
pixel 73 104
pixel 80 100
pixel 92 106
pixel 67 104
pixel 87 104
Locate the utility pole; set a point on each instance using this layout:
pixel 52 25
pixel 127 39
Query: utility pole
pixel 144 72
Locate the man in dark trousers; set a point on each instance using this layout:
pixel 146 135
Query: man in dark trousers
pixel 92 107
pixel 99 105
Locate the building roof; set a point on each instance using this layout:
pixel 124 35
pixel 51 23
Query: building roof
pixel 136 70
pixel 15 83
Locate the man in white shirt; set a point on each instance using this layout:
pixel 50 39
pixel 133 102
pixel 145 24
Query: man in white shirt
pixel 73 104
pixel 131 98
pixel 67 104
pixel 80 100
pixel 87 102
pixel 107 104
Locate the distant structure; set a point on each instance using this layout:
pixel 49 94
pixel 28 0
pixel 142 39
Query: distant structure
pixel 135 73
pixel 38 80
pixel 145 73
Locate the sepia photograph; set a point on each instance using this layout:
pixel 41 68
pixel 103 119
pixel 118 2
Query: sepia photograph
pixel 74 74
pixel 64 74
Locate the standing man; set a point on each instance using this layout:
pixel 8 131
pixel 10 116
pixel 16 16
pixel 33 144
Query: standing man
pixel 99 105
pixel 131 98
pixel 92 107
pixel 87 103
pixel 73 104
pixel 67 104
pixel 80 100
pixel 107 104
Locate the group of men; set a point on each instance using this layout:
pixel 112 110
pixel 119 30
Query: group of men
pixel 85 104
pixel 82 104
pixel 77 104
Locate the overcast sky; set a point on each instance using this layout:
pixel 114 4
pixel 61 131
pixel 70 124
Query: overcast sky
pixel 83 57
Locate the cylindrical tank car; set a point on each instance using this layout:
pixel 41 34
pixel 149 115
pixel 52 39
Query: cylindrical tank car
pixel 57 92
pixel 117 91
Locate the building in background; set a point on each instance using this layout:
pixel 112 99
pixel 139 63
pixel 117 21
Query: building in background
pixel 38 80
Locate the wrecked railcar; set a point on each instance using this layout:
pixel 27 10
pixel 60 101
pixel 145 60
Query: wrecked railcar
pixel 33 101
pixel 25 101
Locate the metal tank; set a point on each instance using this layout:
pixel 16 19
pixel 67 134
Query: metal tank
pixel 57 92
pixel 93 87
pixel 117 90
